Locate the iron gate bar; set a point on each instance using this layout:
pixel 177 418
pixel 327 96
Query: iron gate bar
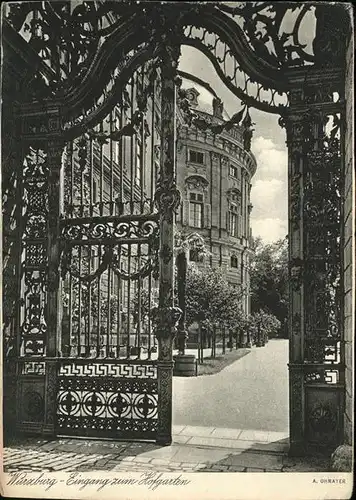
pixel 98 328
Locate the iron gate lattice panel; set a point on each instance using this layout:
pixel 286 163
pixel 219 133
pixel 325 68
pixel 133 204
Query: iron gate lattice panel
pixel 115 398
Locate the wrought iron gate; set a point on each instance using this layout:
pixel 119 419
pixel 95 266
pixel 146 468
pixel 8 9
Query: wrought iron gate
pixel 91 166
pixel 107 384
pixel 97 318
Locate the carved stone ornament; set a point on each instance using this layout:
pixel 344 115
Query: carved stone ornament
pixel 197 183
pixel 233 195
pixel 214 156
pixel 225 161
pixel 165 320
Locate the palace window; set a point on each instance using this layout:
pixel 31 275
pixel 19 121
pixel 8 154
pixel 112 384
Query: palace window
pixel 196 210
pixel 233 220
pixel 196 157
pixel 233 261
pixel 233 171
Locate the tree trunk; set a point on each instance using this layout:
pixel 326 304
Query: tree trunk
pixel 182 335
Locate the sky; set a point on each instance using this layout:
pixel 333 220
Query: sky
pixel 269 217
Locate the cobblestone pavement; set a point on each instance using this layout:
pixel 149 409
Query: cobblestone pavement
pixel 84 455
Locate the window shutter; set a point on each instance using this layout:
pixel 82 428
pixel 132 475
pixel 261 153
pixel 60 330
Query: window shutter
pixel 207 215
pixel 227 222
pixel 185 220
pixel 239 227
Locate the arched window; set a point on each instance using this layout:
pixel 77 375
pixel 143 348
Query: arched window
pixel 233 221
pixel 233 171
pixel 196 210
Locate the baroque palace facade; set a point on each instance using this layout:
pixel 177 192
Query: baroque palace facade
pixel 214 175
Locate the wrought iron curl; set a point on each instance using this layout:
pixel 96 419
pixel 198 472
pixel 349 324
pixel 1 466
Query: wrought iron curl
pixel 262 24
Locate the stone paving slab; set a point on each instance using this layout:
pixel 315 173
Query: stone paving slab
pixel 176 429
pixel 226 433
pixel 220 443
pixel 195 449
pixel 181 439
pixel 229 438
pixel 191 454
pixel 252 435
pixel 196 430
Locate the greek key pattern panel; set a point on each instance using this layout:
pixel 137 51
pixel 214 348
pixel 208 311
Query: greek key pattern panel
pixel 33 368
pixel 107 399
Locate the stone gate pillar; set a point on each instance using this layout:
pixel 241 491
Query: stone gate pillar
pixel 167 199
pixel 41 192
pixel 315 325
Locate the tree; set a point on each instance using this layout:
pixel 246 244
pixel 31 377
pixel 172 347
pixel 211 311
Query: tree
pixel 185 242
pixel 210 300
pixel 269 280
pixel 263 326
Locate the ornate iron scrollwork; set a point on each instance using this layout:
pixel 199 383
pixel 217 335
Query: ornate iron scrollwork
pixel 263 23
pixel 167 197
pixel 35 227
pixel 322 222
pixel 247 44
pixel 92 233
